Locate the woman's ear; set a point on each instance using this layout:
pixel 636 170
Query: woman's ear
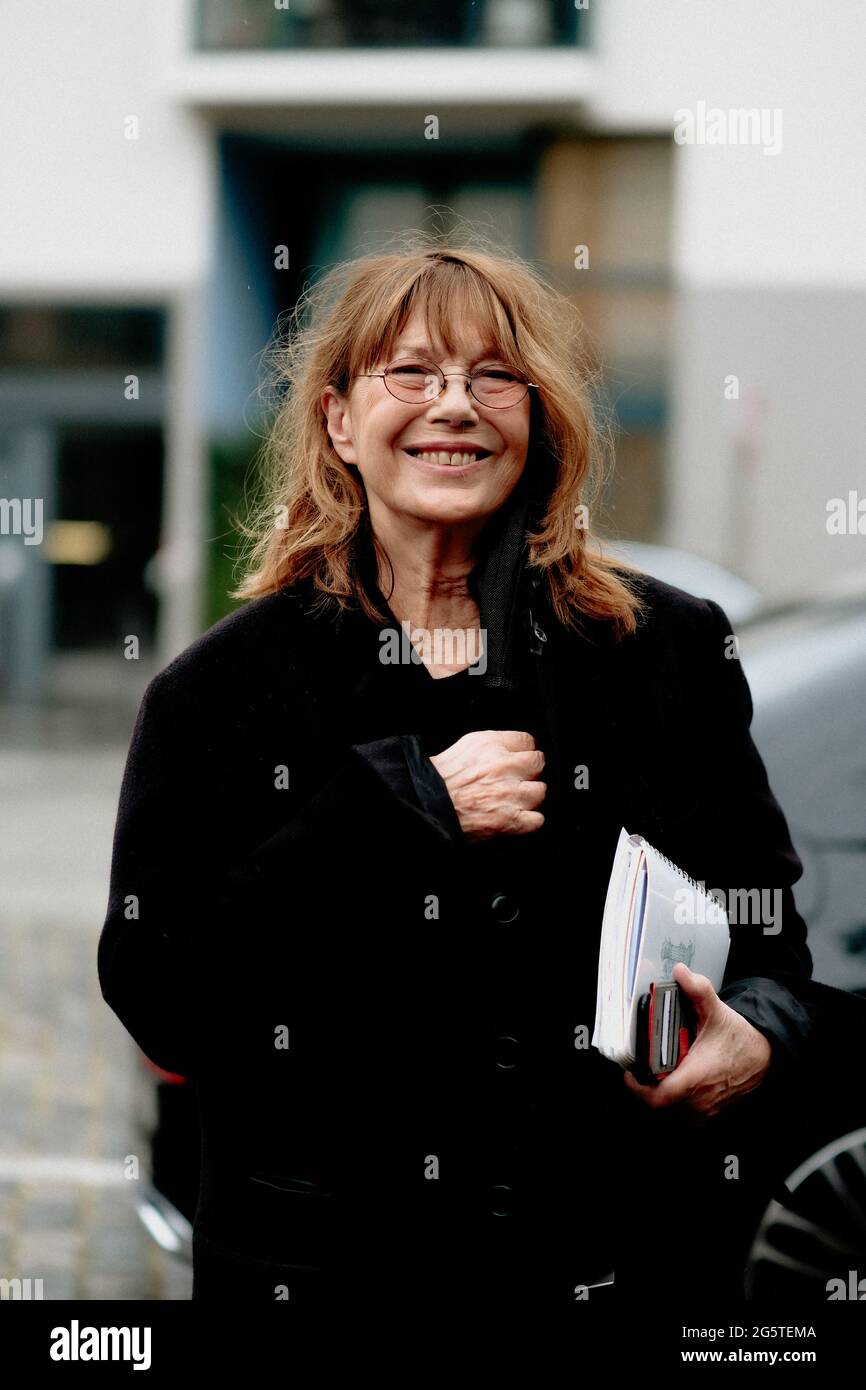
pixel 338 422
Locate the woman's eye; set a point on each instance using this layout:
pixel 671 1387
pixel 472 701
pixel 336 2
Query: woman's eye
pixel 409 369
pixel 498 374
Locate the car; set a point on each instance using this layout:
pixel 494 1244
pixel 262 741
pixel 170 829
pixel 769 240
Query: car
pixel 694 573
pixel 166 1121
pixel 806 667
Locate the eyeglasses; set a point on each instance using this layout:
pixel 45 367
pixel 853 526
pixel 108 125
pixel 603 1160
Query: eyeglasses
pixel 415 381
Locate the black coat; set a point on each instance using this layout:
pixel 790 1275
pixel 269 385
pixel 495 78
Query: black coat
pixel 433 1082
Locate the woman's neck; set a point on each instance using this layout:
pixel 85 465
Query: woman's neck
pixel 431 569
pixel 432 601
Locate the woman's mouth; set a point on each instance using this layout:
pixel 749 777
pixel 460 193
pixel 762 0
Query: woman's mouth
pixel 462 459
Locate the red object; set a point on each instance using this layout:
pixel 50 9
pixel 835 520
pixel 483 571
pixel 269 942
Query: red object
pixel 172 1076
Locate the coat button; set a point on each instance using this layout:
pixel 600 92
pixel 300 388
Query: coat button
pixel 504 909
pixel 506 1053
pixel 503 1200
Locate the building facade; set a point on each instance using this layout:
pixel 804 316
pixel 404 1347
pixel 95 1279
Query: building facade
pixel 173 175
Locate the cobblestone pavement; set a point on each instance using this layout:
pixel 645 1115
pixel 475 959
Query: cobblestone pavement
pixel 69 1072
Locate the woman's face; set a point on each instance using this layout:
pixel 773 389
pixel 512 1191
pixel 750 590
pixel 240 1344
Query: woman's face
pixel 373 430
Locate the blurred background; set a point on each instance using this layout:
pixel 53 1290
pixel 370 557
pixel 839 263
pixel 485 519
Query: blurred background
pixel 153 160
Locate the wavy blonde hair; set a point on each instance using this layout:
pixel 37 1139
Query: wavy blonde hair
pixel 347 323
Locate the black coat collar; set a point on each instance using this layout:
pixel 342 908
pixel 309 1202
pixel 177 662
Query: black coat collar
pixel 592 691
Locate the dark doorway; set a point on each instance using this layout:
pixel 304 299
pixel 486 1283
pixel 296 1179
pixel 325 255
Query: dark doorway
pixel 114 477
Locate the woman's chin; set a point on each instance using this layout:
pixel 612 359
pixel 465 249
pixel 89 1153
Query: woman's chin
pixel 439 513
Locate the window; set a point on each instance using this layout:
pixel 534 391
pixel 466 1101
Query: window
pixel 249 24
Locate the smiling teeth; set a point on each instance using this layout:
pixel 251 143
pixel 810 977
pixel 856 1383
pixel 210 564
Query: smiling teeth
pixel 453 460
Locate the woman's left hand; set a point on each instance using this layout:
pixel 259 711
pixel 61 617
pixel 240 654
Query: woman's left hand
pixel 727 1059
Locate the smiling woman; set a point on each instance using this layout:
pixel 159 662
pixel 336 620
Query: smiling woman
pixel 394 369
pixel 344 900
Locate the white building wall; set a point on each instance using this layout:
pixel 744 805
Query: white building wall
pixel 742 216
pixel 85 211
pixel 766 249
pixel 91 215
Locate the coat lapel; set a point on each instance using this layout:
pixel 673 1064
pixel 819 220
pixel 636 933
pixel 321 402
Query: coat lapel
pixel 599 712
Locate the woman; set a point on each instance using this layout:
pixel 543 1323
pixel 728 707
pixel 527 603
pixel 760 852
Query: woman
pixel 358 880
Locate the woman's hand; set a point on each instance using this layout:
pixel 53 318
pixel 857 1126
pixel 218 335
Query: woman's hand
pixel 491 779
pixel 727 1059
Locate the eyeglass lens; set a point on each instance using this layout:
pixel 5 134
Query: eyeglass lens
pixel 415 380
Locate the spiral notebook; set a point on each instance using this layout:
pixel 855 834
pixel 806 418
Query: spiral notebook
pixel 654 916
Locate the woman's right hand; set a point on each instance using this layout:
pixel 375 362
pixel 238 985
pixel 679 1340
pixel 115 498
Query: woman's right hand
pixel 491 779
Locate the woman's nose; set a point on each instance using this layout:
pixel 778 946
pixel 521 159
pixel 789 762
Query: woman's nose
pixel 455 403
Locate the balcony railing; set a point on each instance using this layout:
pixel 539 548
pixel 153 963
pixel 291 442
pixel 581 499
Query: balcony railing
pixel 225 25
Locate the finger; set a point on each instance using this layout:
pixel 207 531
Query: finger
pixel 699 991
pixel 672 1089
pixel 675 1087
pixel 632 1083
pixel 526 822
pixel 645 1090
pixel 529 764
pixel 657 1099
pixel 516 740
pixel 531 794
